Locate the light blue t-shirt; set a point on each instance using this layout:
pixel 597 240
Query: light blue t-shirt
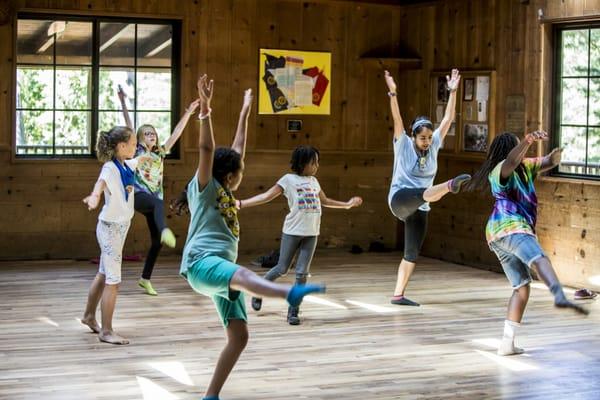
pixel 409 171
pixel 214 229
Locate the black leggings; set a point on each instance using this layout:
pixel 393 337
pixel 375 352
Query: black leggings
pixel 405 206
pixel 152 208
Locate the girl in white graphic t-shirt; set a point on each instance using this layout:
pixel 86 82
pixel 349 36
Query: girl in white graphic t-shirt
pixel 301 226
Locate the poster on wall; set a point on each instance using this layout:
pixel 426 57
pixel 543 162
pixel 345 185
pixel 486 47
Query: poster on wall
pixel 475 137
pixel 294 82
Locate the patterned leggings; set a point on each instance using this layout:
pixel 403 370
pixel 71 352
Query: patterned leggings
pixel 111 238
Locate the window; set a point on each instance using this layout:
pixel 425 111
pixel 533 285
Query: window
pixel 577 106
pixel 68 74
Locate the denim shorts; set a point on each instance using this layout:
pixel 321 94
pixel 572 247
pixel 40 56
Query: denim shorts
pixel 516 253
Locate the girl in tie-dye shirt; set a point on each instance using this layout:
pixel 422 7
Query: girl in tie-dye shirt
pixel 510 230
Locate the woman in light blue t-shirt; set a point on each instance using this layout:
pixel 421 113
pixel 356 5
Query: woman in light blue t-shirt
pixel 415 166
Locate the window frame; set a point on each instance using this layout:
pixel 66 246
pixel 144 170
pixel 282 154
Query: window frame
pixel 557 79
pixel 96 20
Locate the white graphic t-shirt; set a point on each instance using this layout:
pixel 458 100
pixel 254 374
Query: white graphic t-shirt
pixel 302 192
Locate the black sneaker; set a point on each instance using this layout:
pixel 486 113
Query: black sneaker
pixel 256 303
pixel 292 317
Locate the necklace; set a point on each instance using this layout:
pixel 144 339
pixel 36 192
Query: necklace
pixel 422 161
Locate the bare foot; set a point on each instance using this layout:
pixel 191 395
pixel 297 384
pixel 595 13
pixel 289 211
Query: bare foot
pixel 91 323
pixel 112 338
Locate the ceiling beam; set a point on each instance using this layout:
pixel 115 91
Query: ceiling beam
pixel 156 43
pixel 113 33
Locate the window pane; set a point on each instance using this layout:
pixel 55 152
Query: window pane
pixel 593 161
pixel 575 53
pixel 574 101
pixel 595 52
pixel 34 46
pixel 74 44
pixel 594 117
pixel 74 88
pixel 34 132
pixel 573 157
pixel 73 132
pixel 117 41
pixel 154 45
pixel 154 90
pixel 35 87
pixel 161 121
pixel 109 119
pixel 110 79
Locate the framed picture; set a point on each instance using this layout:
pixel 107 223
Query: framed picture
pixel 294 82
pixel 469 89
pixel 475 137
pixel 442 90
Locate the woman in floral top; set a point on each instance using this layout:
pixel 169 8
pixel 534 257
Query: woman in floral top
pixel 149 185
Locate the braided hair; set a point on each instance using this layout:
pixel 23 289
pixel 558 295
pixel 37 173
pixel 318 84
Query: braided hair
pixel 498 151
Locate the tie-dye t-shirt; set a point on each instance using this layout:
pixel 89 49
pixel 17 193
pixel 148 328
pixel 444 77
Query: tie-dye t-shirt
pixel 149 173
pixel 515 210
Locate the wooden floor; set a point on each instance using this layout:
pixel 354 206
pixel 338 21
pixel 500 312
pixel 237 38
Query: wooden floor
pixel 352 345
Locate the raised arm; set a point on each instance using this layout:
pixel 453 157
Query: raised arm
pixel 206 140
pixel 398 125
pixel 453 82
pixel 93 199
pixel 274 192
pixel 123 99
pixel 551 160
pixel 241 133
pixel 331 203
pixel 181 125
pixel 517 154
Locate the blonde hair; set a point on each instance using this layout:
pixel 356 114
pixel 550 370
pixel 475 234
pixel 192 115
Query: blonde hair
pixel 140 135
pixel 108 140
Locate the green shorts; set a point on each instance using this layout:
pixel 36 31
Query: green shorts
pixel 210 276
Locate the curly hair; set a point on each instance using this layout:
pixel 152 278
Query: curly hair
pixel 301 156
pixel 108 140
pixel 225 161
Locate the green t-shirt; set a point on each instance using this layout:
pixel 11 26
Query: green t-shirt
pixel 214 228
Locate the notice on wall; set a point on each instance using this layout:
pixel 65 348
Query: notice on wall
pixel 483 88
pixel 482 111
pixel 515 113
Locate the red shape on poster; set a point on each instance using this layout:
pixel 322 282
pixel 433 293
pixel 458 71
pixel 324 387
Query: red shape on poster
pixel 320 85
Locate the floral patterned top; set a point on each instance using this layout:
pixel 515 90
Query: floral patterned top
pixel 149 173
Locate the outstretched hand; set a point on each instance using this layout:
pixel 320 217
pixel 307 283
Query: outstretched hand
pixel 389 80
pixel 536 136
pixel 248 98
pixel 193 106
pixel 205 92
pixel 555 156
pixel 92 201
pixel 355 201
pixel 121 94
pixel 453 80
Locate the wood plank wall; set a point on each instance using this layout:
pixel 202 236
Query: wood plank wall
pixel 40 200
pixel 43 215
pixel 504 36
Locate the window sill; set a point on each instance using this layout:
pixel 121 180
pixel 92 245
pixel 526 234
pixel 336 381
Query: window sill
pixel 562 179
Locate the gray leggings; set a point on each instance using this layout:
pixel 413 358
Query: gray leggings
pixel 290 244
pixel 405 206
